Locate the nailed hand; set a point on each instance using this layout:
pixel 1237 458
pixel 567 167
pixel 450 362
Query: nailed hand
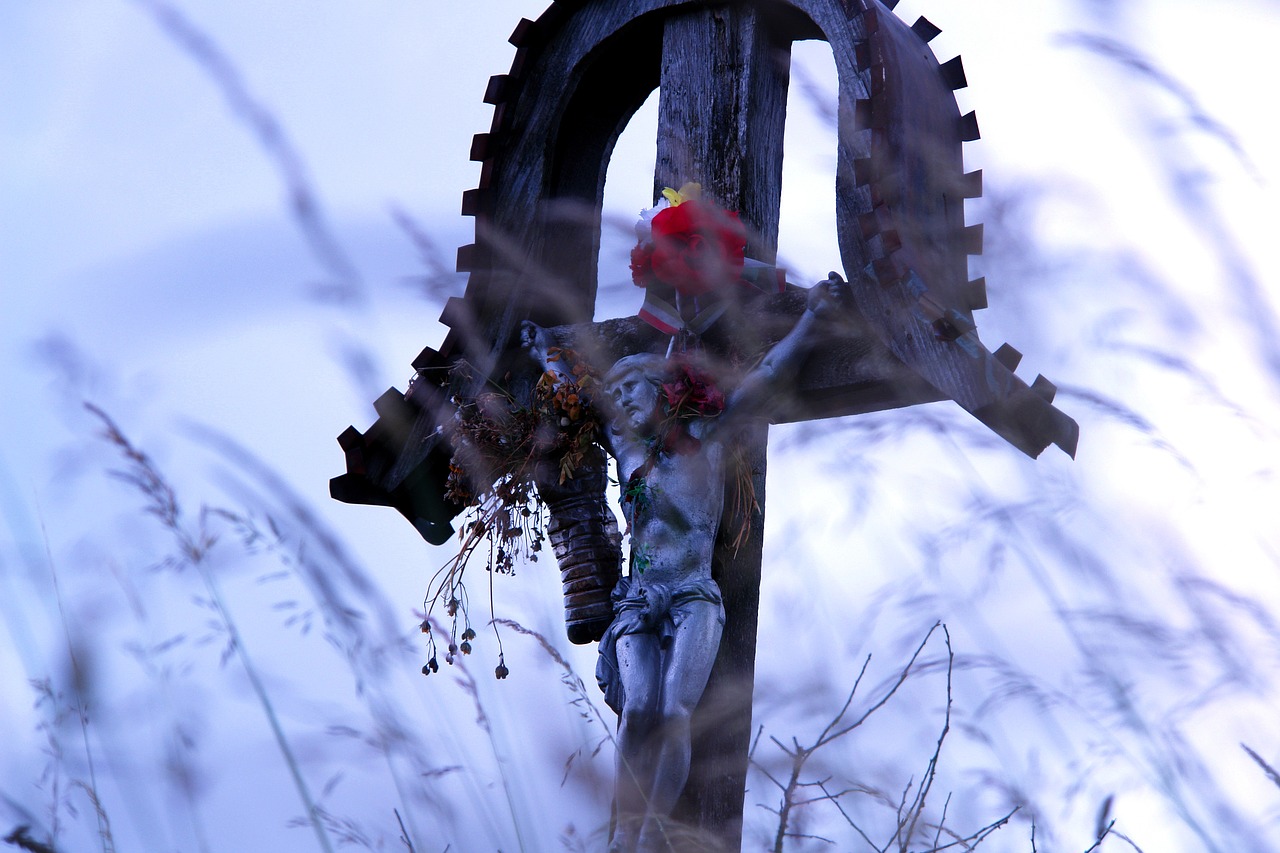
pixel 828 298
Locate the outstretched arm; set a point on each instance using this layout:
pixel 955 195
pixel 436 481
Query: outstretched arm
pixel 538 343
pixel 826 299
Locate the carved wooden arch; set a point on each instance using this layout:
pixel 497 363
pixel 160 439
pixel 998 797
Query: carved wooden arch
pixel 583 68
pixel 579 73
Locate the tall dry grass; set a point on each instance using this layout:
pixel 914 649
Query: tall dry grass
pixel 1104 682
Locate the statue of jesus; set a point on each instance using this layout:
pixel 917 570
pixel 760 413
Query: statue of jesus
pixel 656 656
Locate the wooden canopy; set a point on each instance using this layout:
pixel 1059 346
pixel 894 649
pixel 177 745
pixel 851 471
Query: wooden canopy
pixel 580 72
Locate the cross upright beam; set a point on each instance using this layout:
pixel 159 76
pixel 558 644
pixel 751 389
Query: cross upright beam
pixel 721 115
pixel 580 72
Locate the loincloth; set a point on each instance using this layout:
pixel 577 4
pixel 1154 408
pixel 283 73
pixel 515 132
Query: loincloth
pixel 654 608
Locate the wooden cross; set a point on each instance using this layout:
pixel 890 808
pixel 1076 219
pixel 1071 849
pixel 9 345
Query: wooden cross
pixel 581 70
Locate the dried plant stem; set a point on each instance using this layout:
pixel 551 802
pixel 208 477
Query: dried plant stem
pixel 77 679
pixel 194 549
pixel 268 708
pixel 404 833
pixel 911 806
pixel 570 678
pixel 315 569
pixel 1266 768
pixel 582 699
pixel 21 838
pixel 304 201
pixel 468 682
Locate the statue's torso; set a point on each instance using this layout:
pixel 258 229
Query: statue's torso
pixel 675 514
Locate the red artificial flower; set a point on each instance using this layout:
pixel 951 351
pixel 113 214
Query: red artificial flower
pixel 696 247
pixel 689 393
pixel 641 264
pixel 692 393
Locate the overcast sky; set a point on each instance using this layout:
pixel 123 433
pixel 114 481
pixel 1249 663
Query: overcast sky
pixel 149 264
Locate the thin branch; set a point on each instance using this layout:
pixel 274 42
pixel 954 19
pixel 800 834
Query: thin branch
pixel 902 677
pixel 1266 768
pixel 21 837
pixel 937 835
pixel 926 785
pixel 1105 832
pixel 848 819
pixel 971 841
pixel 800 755
pixel 404 833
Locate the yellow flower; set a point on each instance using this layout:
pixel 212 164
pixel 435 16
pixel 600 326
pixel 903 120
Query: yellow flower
pixel 691 191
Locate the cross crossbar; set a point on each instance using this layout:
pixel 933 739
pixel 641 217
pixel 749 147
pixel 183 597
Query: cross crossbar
pixel 580 72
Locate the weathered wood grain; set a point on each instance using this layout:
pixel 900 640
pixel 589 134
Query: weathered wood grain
pixel 580 72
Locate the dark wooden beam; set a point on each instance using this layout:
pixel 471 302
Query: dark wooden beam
pixel 720 122
pixel 722 113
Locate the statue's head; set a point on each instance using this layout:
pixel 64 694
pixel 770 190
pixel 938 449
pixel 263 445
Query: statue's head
pixel 632 390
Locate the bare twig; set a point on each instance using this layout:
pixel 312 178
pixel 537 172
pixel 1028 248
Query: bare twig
pixel 21 837
pixel 926 785
pixel 902 677
pixel 937 835
pixel 404 833
pixel 1101 835
pixel 1266 768
pixel 910 808
pixel 971 841
pixel 82 715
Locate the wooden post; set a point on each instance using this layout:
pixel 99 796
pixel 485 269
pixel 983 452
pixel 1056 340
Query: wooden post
pixel 580 71
pixel 721 115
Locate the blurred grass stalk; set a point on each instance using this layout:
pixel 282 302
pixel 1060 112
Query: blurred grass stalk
pixel 78 680
pixel 1111 631
pixel 193 549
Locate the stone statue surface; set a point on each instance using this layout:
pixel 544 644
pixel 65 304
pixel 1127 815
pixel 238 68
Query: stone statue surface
pixel 657 654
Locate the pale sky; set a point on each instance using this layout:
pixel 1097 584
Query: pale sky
pixel 148 263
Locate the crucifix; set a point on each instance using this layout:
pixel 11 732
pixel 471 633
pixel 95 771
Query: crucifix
pixel 581 70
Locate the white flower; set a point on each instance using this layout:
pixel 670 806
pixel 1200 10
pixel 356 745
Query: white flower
pixel 644 225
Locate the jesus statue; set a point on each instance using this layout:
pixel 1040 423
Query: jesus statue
pixel 671 455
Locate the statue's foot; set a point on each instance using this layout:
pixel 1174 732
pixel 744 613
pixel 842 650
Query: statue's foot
pixel 652 838
pixel 623 841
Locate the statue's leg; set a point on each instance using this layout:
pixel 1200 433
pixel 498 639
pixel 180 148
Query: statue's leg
pixel 639 668
pixel 686 668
